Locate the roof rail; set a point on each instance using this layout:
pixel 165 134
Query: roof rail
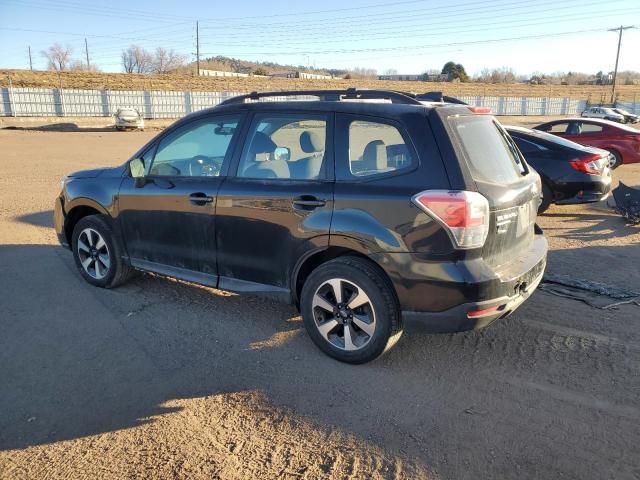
pixel 439 97
pixel 331 95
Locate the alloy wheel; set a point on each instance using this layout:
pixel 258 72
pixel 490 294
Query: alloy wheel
pixel 343 314
pixel 93 253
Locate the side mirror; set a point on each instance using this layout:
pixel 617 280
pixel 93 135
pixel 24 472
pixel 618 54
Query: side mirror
pixel 136 168
pixel 282 153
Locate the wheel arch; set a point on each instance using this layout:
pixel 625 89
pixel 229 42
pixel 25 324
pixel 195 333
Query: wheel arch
pixel 79 209
pixel 310 262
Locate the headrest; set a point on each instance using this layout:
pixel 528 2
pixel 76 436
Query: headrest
pixel 375 155
pixel 261 143
pixel 311 141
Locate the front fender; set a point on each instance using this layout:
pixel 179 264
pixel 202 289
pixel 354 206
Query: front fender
pixel 100 193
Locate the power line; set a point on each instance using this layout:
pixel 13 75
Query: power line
pixel 364 28
pixel 100 13
pixel 419 47
pixel 430 14
pixel 435 32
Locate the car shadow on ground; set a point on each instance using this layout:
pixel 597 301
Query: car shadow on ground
pixel 62 127
pixel 79 361
pixel 38 219
pixel 601 225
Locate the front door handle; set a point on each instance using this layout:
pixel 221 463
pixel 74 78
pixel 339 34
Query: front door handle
pixel 308 202
pixel 200 198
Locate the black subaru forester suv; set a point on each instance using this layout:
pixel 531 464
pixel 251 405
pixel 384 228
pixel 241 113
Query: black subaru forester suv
pixel 363 208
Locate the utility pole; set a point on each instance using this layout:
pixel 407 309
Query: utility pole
pixel 86 51
pixel 30 61
pixel 197 49
pixel 615 70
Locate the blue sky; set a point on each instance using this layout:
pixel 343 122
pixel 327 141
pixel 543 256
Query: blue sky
pixel 410 36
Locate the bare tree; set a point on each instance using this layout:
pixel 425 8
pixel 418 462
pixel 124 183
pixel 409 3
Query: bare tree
pixel 503 75
pixel 363 73
pixel 136 59
pixel 58 57
pixel 484 76
pixel 497 75
pixel 391 71
pixel 165 60
pixel 81 66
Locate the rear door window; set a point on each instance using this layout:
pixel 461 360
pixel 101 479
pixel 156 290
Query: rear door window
pixel 527 146
pixel 590 128
pixel 558 128
pixel 490 152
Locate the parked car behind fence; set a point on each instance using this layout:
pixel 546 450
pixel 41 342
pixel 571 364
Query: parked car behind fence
pixel 128 118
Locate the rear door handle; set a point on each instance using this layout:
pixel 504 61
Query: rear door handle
pixel 308 202
pixel 200 198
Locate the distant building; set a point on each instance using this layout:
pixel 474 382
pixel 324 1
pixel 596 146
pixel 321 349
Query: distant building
pixel 303 75
pixel 606 79
pixel 220 73
pixel 437 77
pixel 424 77
pixel 403 78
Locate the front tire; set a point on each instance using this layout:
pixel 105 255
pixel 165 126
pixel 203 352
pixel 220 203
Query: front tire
pixel 350 310
pixel 98 252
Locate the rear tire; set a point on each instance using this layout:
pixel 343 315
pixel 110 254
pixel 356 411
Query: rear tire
pixel 98 252
pixel 350 310
pixel 617 159
pixel 547 198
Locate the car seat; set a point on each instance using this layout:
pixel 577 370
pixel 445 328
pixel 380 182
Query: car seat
pixel 574 129
pixel 374 157
pixel 311 142
pixel 269 168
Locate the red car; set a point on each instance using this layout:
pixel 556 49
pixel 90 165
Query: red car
pixel 622 141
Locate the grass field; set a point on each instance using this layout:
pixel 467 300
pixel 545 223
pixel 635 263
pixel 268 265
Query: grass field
pixel 121 81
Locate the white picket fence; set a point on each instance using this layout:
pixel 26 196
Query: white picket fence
pixel 52 102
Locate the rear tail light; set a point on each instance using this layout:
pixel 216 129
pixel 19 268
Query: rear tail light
pixel 480 109
pixel 464 215
pixel 593 164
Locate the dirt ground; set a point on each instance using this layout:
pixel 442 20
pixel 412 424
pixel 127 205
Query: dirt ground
pixel 173 81
pixel 163 379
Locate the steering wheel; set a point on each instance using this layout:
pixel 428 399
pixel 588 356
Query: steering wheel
pixel 207 167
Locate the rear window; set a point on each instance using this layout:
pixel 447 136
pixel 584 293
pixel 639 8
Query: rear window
pixel 491 154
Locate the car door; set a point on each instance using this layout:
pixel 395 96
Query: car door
pixel 277 207
pixel 166 207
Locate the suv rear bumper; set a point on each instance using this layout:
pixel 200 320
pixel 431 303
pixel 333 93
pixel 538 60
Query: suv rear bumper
pixel 442 298
pixel 456 320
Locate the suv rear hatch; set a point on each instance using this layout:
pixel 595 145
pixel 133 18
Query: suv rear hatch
pixel 498 172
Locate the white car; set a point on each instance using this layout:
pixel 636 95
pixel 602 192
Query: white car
pixel 604 113
pixel 128 118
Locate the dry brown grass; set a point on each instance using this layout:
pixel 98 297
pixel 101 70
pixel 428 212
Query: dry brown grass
pixel 121 81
